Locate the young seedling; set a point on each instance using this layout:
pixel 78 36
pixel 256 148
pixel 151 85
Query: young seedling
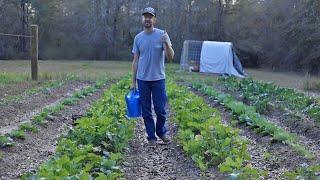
pixel 28 127
pixel 5 141
pixel 17 134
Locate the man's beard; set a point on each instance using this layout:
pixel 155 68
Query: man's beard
pixel 147 24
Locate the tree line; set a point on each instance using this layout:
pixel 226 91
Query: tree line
pixel 278 34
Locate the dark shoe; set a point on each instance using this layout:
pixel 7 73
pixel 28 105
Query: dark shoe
pixel 152 143
pixel 165 139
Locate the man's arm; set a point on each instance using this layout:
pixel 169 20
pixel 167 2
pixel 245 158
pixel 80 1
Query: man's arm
pixel 134 70
pixel 167 46
pixel 168 51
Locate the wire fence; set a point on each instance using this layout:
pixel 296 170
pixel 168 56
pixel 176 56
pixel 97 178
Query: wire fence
pixel 15 35
pixel 15 47
pixel 21 47
pixel 190 55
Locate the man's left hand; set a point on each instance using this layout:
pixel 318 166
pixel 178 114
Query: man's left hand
pixel 165 37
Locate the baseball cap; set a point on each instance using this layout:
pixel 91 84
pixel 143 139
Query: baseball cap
pixel 149 10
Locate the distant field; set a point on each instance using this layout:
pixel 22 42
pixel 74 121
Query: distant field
pixel 286 79
pixel 308 84
pixel 84 69
pixel 15 75
pixel 90 70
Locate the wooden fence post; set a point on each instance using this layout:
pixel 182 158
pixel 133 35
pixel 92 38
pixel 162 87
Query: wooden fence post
pixel 34 52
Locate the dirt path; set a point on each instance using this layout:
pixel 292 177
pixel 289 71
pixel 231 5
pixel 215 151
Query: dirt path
pixel 304 127
pixel 16 89
pixel 13 114
pixel 163 161
pixel 27 155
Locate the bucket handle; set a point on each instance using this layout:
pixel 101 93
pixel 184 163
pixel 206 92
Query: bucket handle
pixel 133 91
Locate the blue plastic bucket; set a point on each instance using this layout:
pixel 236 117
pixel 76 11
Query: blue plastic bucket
pixel 133 104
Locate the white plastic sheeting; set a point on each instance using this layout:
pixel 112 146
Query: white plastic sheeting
pixel 217 57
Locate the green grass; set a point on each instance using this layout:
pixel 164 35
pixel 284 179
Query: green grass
pixel 283 79
pixel 60 69
pixel 52 73
pixel 312 85
pixel 7 78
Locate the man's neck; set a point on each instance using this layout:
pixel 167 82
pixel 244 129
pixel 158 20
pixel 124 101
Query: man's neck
pixel 149 30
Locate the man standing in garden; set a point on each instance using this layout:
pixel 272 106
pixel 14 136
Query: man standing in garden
pixel 149 49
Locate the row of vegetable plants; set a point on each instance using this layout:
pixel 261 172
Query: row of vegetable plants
pixel 248 115
pixel 304 172
pixel 40 119
pixel 45 88
pixel 93 148
pixel 206 139
pixel 262 94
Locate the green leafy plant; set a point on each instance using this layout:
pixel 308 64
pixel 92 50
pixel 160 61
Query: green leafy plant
pixel 69 101
pixel 93 148
pixel 40 119
pixel 28 126
pixel 247 114
pixel 304 172
pixel 204 138
pixel 260 94
pixel 17 134
pixel 5 141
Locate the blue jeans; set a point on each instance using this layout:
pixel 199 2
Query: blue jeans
pixel 159 97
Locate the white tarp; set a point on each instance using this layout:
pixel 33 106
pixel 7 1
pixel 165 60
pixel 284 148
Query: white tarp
pixel 217 57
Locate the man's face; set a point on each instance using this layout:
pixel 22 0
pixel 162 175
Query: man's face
pixel 148 20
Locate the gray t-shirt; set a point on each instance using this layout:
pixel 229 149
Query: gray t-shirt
pixel 150 49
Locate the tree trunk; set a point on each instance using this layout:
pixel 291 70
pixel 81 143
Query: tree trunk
pixel 218 25
pixel 24 25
